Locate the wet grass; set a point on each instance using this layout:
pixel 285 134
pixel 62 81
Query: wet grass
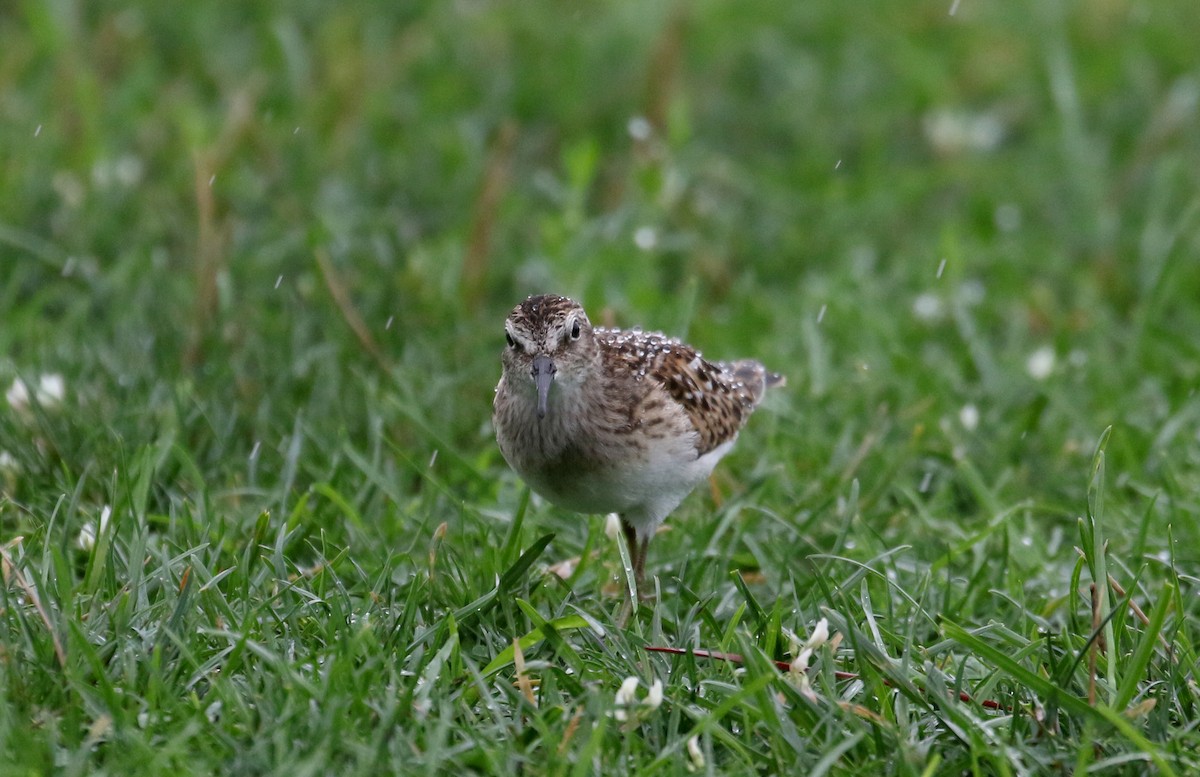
pixel 267 249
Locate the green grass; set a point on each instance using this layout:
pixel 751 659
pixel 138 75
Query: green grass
pixel 269 247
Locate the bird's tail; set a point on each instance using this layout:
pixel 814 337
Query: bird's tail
pixel 754 376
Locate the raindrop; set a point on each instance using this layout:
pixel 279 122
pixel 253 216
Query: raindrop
pixel 278 281
pixel 941 268
pixel 821 314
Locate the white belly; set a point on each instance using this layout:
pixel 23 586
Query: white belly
pixel 596 464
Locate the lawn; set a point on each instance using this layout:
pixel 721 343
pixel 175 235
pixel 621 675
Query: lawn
pixel 255 260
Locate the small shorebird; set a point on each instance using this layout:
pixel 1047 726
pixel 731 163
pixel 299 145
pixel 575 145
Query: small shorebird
pixel 614 421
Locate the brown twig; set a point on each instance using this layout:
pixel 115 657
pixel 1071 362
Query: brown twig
pixel 660 87
pixel 483 217
pixel 523 682
pixel 569 733
pixel 1140 615
pixel 12 571
pixel 209 257
pixel 341 298
pixel 663 71
pixel 1093 652
pixel 439 534
pixel 210 232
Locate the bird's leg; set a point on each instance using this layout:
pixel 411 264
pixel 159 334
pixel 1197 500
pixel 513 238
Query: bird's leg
pixel 637 554
pixel 638 562
pixel 639 568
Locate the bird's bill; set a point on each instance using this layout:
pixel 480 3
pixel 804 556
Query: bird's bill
pixel 543 375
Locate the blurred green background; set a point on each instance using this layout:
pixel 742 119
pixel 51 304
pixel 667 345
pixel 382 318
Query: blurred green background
pixel 269 247
pixel 894 203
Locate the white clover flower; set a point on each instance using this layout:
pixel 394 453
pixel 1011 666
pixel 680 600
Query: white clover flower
pixel 17 395
pixel 1007 217
pixel 1040 363
pixel 800 663
pixel 798 668
pixel 51 390
pixel 952 132
pixel 927 307
pixel 626 697
pixel 612 526
pixel 819 636
pixel 86 541
pixel 645 238
pixel 970 292
pixel 968 416
pixel 639 128
pixel 49 393
pixel 654 697
pixel 794 645
pixel 125 171
pixel 695 754
pixel 626 702
pixel 627 693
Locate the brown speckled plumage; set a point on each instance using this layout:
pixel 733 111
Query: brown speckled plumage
pixel 717 398
pixel 607 420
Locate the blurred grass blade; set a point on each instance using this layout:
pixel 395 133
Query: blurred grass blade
pixel 1136 668
pixel 513 574
pixel 1035 682
pixel 561 624
pixel 513 541
pixel 1096 549
pixel 1048 691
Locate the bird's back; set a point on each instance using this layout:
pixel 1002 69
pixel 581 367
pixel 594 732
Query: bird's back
pixel 716 398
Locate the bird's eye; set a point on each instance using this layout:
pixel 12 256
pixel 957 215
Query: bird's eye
pixel 574 330
pixel 511 342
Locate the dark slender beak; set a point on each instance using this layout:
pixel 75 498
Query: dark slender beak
pixel 543 375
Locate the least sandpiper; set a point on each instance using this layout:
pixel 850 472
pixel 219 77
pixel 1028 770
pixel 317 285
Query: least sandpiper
pixel 615 421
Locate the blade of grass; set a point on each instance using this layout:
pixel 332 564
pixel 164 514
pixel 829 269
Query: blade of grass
pixel 561 624
pixel 1096 548
pixel 1136 667
pixel 1048 691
